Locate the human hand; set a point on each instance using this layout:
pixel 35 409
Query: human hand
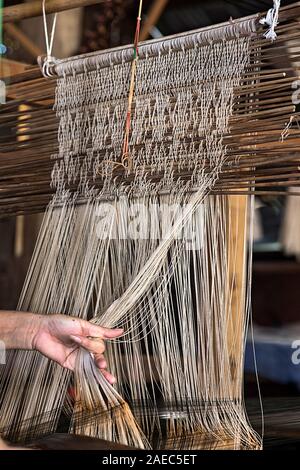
pixel 4 446
pixel 59 337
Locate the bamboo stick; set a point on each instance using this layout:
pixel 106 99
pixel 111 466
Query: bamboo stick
pixel 24 40
pixel 31 9
pixel 152 18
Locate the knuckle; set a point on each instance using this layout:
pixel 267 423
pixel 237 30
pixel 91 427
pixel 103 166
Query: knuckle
pixel 100 348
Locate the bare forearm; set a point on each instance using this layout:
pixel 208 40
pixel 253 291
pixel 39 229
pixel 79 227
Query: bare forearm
pixel 3 446
pixel 7 446
pixel 17 329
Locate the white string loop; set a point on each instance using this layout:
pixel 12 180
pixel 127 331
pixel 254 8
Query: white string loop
pixel 271 20
pixel 49 61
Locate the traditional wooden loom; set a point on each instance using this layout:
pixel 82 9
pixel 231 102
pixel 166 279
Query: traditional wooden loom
pixel 194 142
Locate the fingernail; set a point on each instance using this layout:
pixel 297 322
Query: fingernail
pixel 76 339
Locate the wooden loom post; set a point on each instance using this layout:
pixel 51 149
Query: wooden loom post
pixel 236 302
pixel 20 219
pixel 236 292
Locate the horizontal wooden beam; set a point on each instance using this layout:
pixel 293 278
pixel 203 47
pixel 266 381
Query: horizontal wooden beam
pixel 10 68
pixel 34 8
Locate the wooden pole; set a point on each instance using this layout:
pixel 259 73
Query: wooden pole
pixel 20 219
pixel 152 18
pixel 26 43
pixel 10 68
pixel 237 277
pixel 32 9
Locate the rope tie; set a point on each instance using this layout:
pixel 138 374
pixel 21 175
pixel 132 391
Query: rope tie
pixel 49 61
pixel 271 20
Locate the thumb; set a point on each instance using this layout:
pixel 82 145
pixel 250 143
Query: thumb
pixel 112 333
pixel 106 333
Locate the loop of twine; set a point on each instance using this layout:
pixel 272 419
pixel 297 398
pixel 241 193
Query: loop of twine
pixel 271 20
pixel 47 63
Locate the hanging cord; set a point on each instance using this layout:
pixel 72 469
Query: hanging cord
pixel 272 21
pixel 126 158
pixel 48 61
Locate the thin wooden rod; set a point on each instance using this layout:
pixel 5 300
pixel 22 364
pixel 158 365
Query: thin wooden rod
pixel 16 33
pixel 152 18
pixel 32 9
